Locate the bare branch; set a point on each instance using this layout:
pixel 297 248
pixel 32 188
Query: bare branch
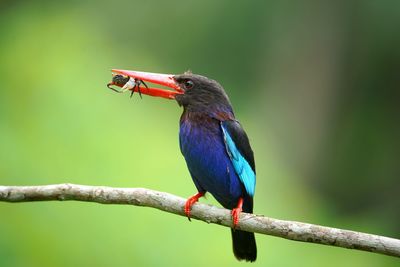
pixel 166 202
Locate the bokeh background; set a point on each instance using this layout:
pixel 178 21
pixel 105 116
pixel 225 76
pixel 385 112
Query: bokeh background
pixel 316 85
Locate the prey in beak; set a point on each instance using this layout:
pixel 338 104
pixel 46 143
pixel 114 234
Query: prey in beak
pixel 127 83
pixel 132 80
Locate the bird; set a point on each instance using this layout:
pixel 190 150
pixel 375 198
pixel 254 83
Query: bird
pixel 214 144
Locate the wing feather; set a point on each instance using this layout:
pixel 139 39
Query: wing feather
pixel 239 150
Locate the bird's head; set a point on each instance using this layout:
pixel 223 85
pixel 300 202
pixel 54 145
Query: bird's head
pixel 193 92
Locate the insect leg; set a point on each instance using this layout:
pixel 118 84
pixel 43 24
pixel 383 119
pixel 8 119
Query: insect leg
pixel 115 90
pixel 133 90
pixel 145 85
pixel 139 83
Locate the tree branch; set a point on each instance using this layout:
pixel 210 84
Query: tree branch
pixel 166 202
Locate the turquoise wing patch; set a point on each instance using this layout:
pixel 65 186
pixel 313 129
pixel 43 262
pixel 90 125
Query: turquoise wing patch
pixel 242 167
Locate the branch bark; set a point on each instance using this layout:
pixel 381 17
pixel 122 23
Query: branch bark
pixel 292 230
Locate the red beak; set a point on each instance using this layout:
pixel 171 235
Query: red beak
pixel 156 78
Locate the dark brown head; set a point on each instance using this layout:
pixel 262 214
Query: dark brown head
pixel 201 93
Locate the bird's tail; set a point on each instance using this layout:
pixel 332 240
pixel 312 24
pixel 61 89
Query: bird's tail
pixel 244 245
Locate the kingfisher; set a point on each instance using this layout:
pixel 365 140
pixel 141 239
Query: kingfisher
pixel 215 146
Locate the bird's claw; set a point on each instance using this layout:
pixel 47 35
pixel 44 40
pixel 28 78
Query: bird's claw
pixel 236 213
pixel 188 206
pixel 235 216
pixel 190 202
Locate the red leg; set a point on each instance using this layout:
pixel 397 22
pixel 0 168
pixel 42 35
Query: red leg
pixel 236 211
pixel 190 202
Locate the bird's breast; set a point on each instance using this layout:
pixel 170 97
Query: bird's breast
pixel 202 145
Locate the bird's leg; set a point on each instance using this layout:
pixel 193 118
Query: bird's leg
pixel 236 212
pixel 189 203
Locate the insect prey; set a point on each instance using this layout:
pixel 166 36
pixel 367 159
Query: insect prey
pixel 127 83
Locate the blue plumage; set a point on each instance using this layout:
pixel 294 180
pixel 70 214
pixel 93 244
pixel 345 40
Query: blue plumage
pixel 217 153
pixel 210 166
pixel 242 167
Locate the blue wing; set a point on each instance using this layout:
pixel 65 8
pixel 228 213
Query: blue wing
pixel 239 151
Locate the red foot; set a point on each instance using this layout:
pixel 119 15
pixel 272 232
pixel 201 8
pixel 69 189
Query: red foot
pixel 236 212
pixel 189 203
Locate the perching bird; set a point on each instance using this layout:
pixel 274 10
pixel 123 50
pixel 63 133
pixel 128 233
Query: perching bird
pixel 215 146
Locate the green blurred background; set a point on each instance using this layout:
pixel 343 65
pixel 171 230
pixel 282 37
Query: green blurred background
pixel 316 85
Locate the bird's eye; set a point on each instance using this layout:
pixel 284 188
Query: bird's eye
pixel 188 84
